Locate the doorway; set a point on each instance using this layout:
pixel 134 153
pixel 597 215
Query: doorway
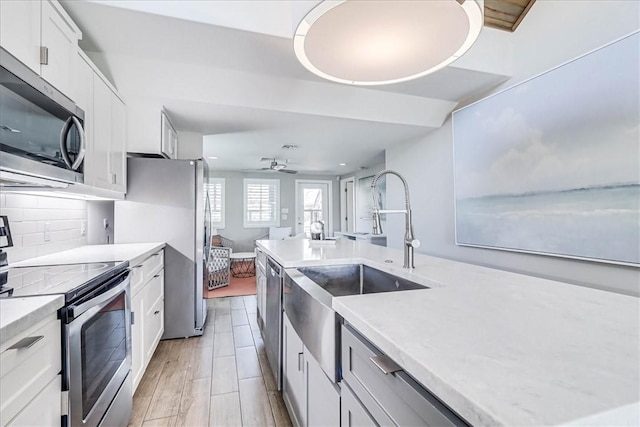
pixel 347 205
pixel 313 203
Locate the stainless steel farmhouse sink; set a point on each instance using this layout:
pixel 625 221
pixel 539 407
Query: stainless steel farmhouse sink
pixel 308 292
pixel 341 280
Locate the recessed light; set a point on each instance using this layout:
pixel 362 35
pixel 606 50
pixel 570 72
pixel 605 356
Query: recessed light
pixel 212 158
pixel 343 164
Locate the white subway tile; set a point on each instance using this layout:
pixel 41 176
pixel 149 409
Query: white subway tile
pixel 20 254
pixel 25 227
pixel 21 201
pixel 13 214
pixel 33 239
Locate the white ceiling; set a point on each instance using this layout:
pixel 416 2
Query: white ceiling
pixel 226 69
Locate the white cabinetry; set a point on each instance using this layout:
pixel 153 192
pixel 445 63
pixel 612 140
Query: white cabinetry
pixel 149 129
pixel 104 128
pixel 147 305
pixel 20 31
pixel 30 385
pixel 59 43
pixel 310 396
pixel 42 36
pixel 169 138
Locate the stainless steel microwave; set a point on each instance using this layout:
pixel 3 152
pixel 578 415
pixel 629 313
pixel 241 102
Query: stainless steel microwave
pixel 42 140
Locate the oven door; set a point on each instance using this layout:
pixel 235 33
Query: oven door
pixel 98 361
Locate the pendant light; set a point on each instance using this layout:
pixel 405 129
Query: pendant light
pixel 375 42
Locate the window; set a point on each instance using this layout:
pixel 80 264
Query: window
pixel 261 203
pixel 215 188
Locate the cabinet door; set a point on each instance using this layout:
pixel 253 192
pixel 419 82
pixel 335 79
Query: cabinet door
pixel 98 173
pixel 61 41
pixel 20 31
pixel 118 145
pixel 352 412
pixel 137 339
pixel 154 314
pixel 44 409
pixel 323 398
pixel 169 138
pixel 293 381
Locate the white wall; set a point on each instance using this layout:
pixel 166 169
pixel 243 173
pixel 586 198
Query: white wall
pixel 28 216
pixel 234 228
pixel 552 33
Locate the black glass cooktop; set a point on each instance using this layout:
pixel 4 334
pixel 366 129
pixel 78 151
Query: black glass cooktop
pixel 71 280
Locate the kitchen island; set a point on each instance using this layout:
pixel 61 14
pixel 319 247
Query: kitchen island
pixel 498 348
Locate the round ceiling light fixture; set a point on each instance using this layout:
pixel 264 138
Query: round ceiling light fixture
pixel 375 42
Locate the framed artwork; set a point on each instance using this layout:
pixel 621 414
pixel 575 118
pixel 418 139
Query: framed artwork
pixel 552 165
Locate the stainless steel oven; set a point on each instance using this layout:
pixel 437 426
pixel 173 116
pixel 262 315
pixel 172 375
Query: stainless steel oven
pixel 41 130
pixel 97 349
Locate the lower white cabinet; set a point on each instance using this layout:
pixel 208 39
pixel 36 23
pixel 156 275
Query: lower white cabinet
pixel 147 306
pixel 310 396
pixel 30 387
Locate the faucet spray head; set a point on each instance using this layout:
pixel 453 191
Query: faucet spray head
pixel 377 225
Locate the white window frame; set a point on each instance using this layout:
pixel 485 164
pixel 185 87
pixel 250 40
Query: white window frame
pixel 222 182
pixel 260 224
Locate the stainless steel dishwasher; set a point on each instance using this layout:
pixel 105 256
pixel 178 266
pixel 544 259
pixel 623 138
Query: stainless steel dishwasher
pixel 273 320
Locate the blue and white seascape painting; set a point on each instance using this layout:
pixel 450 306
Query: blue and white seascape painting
pixel 552 165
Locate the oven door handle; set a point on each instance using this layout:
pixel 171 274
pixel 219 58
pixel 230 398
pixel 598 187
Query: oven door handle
pixel 74 310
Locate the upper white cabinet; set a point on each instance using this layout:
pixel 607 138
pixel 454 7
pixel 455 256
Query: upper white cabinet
pixel 169 138
pixel 20 31
pixel 105 116
pixel 43 36
pixel 59 45
pixel 149 129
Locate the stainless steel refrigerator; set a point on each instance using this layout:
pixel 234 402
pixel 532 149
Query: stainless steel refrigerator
pixel 166 201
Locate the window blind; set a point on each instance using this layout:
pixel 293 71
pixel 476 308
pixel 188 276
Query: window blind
pixel 261 202
pixel 215 190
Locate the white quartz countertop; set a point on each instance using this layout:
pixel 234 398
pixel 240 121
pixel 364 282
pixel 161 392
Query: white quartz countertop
pixel 499 348
pixel 132 252
pixel 19 314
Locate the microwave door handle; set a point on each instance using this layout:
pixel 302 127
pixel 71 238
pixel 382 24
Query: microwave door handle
pixel 63 141
pixel 83 144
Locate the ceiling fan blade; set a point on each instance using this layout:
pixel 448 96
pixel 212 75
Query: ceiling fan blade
pixel 288 171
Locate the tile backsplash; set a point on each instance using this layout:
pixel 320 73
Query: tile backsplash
pixel 42 225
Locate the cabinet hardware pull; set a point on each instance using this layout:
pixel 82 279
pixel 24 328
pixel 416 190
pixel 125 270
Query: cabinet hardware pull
pixel 386 365
pixel 156 312
pixel 26 342
pixel 300 361
pixel 156 276
pixel 138 266
pixel 44 55
pixel 158 254
pixel 133 318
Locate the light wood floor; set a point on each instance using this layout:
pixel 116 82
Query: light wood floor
pixel 219 379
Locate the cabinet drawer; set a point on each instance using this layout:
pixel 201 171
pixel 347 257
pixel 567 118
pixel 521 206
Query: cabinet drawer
pixel 153 264
pixel 24 372
pixel 352 413
pixel 44 409
pixel 394 398
pixel 154 289
pixel 144 271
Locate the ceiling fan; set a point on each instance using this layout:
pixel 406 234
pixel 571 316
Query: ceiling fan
pixel 276 166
